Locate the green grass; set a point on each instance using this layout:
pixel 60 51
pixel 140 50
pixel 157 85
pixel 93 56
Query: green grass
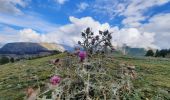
pixel 155 71
pixel 15 77
pixel 153 75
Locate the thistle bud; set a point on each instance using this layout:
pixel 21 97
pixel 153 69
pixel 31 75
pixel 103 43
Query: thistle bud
pixel 109 36
pixel 83 34
pixel 100 32
pixel 79 42
pixel 97 37
pixel 105 33
pixel 106 43
pixel 88 30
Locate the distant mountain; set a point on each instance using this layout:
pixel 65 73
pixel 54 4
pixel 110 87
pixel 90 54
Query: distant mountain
pixel 29 48
pixel 53 46
pixel 135 51
pixel 67 47
pixel 1 45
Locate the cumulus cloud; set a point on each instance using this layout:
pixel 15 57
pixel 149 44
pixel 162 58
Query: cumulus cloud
pixel 11 6
pixel 134 38
pixel 29 35
pixel 159 24
pixel 70 33
pixel 8 34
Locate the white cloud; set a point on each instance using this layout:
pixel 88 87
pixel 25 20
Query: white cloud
pixel 11 14
pixel 11 6
pixel 133 21
pixel 25 35
pixel 156 31
pixel 154 34
pixel 28 35
pixel 70 33
pixel 133 10
pixel 159 24
pixel 134 38
pixel 28 21
pixel 61 1
pixel 82 6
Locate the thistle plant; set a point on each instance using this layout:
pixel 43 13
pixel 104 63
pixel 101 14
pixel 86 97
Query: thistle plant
pixel 93 43
pixel 92 79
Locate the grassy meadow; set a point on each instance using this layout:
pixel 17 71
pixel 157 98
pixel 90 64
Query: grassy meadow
pixel 153 76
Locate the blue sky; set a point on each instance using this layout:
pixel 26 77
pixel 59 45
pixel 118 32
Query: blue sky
pixel 137 23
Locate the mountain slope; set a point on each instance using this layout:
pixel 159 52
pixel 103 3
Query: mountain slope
pixel 29 48
pixel 52 46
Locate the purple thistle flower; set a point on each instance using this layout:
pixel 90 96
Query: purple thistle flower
pixel 82 55
pixel 55 80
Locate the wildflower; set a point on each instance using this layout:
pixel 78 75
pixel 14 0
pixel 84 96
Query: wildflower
pixel 55 80
pixel 82 55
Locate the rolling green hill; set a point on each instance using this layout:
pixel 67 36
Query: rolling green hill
pixel 153 76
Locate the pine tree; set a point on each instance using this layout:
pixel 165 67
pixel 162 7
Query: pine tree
pixel 163 52
pixel 157 53
pixel 150 53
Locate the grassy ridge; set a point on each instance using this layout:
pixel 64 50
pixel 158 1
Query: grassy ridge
pixel 153 75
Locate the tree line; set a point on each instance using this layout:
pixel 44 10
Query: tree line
pixel 158 53
pixel 5 60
